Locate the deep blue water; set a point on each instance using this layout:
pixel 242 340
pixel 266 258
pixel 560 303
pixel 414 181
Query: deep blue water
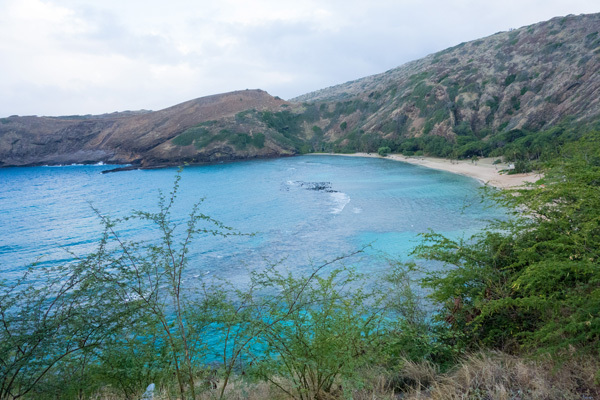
pixel 45 212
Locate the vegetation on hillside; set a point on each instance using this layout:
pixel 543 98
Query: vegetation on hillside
pixel 307 129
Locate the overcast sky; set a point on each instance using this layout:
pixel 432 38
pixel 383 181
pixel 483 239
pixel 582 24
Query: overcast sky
pixel 62 57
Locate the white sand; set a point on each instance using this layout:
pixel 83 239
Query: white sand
pixel 483 170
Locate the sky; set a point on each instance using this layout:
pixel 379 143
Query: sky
pixel 65 57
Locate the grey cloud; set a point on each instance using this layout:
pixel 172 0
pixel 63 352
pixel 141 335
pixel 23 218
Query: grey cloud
pixel 109 35
pixel 286 58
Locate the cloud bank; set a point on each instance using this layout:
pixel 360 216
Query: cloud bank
pixel 78 57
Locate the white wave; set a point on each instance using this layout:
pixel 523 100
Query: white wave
pixel 357 210
pixel 63 165
pixel 340 199
pixel 98 164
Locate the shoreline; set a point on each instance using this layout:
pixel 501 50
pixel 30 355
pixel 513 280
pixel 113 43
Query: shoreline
pixel 483 170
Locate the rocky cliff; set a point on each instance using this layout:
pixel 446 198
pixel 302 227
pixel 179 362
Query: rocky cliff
pixel 142 138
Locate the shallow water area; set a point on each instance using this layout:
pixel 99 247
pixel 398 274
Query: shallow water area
pixel 303 210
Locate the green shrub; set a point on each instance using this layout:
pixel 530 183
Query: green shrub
pixel 258 140
pixel 190 135
pixel 521 166
pixel 240 140
pixel 509 79
pixel 384 151
pixel 515 102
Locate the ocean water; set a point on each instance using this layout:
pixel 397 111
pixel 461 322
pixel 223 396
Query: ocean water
pixel 303 210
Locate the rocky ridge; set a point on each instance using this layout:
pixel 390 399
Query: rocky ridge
pixel 527 78
pixel 141 138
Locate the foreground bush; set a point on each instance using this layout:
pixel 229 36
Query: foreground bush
pixel 531 283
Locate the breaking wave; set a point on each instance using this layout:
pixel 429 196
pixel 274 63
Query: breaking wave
pixel 340 201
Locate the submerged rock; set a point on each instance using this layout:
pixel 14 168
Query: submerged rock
pixel 318 186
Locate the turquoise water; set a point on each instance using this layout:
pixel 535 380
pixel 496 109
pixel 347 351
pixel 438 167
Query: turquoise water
pixel 45 212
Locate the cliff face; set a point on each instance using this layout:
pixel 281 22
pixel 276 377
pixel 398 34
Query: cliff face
pixel 138 138
pixel 528 78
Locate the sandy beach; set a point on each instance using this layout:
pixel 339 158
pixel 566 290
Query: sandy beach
pixel 483 170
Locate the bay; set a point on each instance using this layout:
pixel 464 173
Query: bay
pixel 303 210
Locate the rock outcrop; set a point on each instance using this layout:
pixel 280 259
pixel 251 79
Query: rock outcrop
pixel 142 139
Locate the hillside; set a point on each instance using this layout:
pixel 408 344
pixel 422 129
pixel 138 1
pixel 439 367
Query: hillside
pixel 140 138
pixel 529 79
